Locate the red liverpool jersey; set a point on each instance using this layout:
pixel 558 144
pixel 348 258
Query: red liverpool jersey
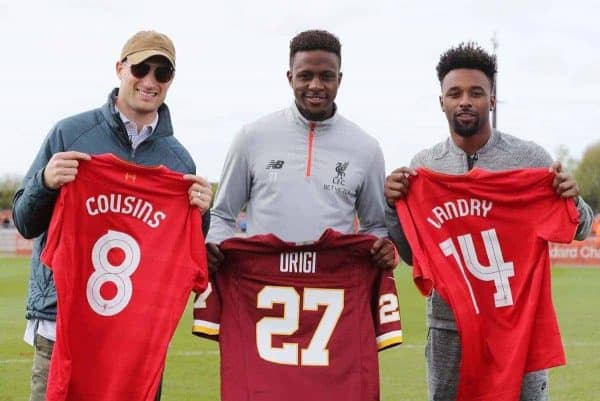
pixel 126 249
pixel 481 240
pixel 300 323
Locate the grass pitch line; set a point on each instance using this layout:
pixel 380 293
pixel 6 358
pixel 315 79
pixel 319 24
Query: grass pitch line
pixel 576 344
pixel 179 353
pixel 15 361
pixel 194 353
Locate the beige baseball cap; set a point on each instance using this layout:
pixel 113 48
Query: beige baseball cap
pixel 146 44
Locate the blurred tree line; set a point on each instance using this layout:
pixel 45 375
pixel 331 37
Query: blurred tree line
pixel 587 175
pixel 8 186
pixel 585 171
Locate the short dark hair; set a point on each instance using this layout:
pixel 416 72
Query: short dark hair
pixel 467 55
pixel 315 39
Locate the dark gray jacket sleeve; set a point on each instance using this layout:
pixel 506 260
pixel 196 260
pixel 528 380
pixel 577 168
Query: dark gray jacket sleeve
pixel 206 223
pixel 395 227
pixel 33 202
pixel 397 234
pixel 586 218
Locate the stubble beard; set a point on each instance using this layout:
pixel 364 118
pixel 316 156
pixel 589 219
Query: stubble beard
pixel 466 131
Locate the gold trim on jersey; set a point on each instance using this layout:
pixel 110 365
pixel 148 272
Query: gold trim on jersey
pixel 390 339
pixel 205 327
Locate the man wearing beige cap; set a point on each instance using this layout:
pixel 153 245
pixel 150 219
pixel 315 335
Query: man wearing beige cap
pixel 134 125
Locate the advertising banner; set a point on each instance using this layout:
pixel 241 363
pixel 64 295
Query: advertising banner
pixel 576 254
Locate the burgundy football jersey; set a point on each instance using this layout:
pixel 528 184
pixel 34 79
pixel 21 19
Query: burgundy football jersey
pixel 481 241
pixel 126 249
pixel 300 322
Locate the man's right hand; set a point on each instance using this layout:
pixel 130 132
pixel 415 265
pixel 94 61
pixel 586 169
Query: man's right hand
pixel 396 185
pixel 62 168
pixel 215 257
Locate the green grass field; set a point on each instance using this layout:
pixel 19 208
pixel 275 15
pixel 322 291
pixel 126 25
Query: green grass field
pixel 192 366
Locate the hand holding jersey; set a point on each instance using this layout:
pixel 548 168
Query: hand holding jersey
pixel 200 192
pixel 215 257
pixel 396 185
pixel 563 183
pixel 383 254
pixel 62 168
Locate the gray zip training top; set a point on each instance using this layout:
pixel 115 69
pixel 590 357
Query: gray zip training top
pixel 299 177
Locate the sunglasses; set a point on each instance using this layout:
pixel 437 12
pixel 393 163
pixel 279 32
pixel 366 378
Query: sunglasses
pixel 163 74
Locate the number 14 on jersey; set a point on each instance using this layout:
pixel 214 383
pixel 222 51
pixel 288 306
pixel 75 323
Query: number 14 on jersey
pixel 498 271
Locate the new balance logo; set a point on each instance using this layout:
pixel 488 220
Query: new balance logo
pixel 130 177
pixel 275 165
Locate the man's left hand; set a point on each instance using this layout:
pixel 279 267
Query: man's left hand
pixel 383 254
pixel 563 183
pixel 200 192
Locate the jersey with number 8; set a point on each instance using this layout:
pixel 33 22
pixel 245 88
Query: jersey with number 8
pixel 300 322
pixel 122 278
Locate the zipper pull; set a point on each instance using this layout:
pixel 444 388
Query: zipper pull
pixel 311 137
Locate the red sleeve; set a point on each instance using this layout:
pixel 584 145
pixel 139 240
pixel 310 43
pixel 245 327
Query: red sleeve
pixel 207 312
pixel 557 219
pixel 54 231
pixel 198 250
pixel 388 327
pixel 422 275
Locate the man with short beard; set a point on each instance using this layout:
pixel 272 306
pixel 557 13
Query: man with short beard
pixel 466 74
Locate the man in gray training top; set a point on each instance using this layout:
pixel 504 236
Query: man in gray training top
pixel 466 75
pixel 305 168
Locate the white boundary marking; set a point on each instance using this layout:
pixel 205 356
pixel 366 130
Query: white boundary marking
pixel 577 344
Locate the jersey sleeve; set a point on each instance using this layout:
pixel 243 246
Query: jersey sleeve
pixel 54 231
pixel 388 327
pixel 557 219
pixel 199 258
pixel 207 312
pixel 422 274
